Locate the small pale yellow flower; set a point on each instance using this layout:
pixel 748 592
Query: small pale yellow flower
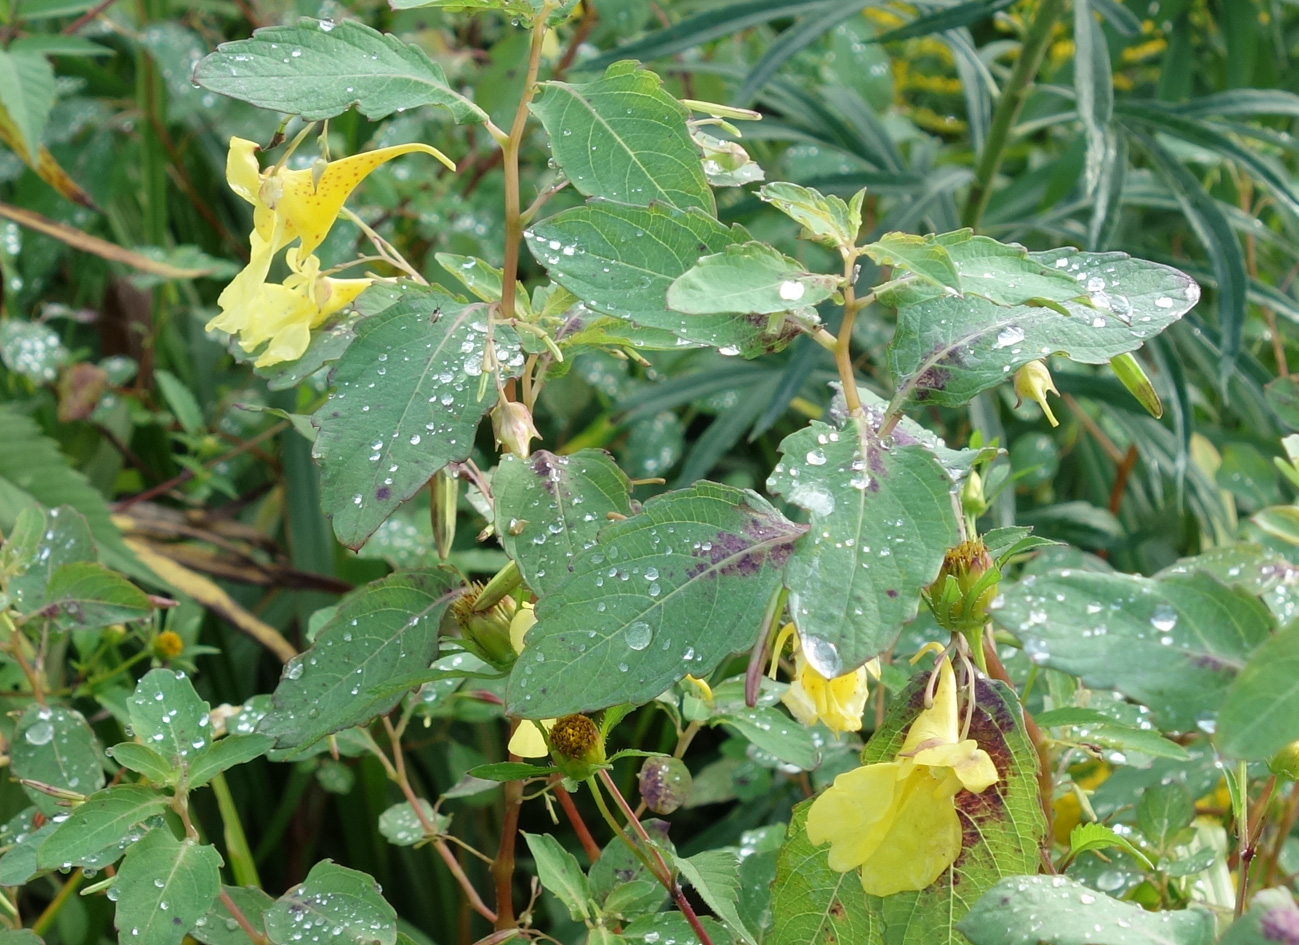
pixel 838 703
pixel 896 820
pixel 527 740
pixel 1032 381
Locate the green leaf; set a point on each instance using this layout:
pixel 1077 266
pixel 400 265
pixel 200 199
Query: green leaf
pixel 748 277
pixel 813 904
pixel 715 875
pixel 692 572
pixel 1283 397
pixel 775 733
pixel 622 137
pixel 620 260
pixel 1093 89
pixel 1056 910
pixel 26 96
pixel 923 256
pixel 1163 812
pixel 479 277
pixel 164 886
pixel 169 716
pixel 387 629
pixel 949 349
pixel 18 865
pixel 53 745
pixel 30 349
pixel 321 68
pixel 510 771
pixel 226 753
pixel 1280 521
pixel 559 873
pixel 1095 837
pixel 86 595
pixel 405 403
pixel 101 824
pixel 1260 711
pixel 881 521
pixel 1173 644
pixel 39 543
pixel 549 509
pixel 144 760
pixel 219 927
pixel 344 904
pixel 401 827
pixel 181 402
pixel 825 219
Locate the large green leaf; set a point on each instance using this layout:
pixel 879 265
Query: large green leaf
pixel 948 349
pixel 85 595
pixel 164 887
pixel 1056 910
pixel 748 277
pixel 321 68
pixel 1173 644
pixel 549 509
pixel 335 902
pixel 168 716
pixel 26 96
pixel 387 629
pixel 102 823
pixel 559 873
pixel 1001 831
pixel 53 745
pixel 1260 711
pixel 624 138
pixel 40 543
pixel 715 876
pixel 405 403
pixel 667 592
pixel 881 518
pixel 620 260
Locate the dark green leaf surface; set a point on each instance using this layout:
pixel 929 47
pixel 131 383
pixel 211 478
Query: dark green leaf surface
pixel 219 927
pixel 85 595
pixel 53 745
pixel 667 592
pixel 226 753
pixel 40 543
pixel 1173 644
pixel 881 520
pixel 623 137
pixel 715 876
pixel 164 887
pixel 168 716
pixel 387 629
pixel 144 760
pixel 321 68
pixel 1260 711
pixel 405 404
pixel 101 823
pixel 549 509
pixel 333 902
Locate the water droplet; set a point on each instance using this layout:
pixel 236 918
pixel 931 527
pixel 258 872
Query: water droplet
pixel 638 635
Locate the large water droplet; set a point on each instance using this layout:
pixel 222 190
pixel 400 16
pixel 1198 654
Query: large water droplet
pixel 638 635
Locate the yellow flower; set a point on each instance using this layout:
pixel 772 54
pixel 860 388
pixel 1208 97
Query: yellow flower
pixel 287 206
pixel 896 820
pixel 527 740
pixel 1032 381
pixel 838 702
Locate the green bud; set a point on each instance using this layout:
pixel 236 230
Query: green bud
pixel 972 500
pixel 964 588
pixel 577 747
pixel 1128 370
pixel 485 632
pixel 1285 763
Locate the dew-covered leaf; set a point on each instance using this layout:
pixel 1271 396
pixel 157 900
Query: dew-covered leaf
pixel 144 760
pixel 775 733
pixel 825 219
pixel 1260 711
pixel 337 904
pixel 670 591
pixel 559 873
pixel 405 403
pixel 219 927
pixel 18 864
pixel 881 521
pixel 948 349
pixel 85 595
pixel 549 509
pixel 225 753
pixel 620 260
pixel 401 826
pixel 53 745
pixel 40 543
pixel 1001 830
pixel 748 278
pixel 320 68
pixel 624 138
pixel 381 633
pixel 100 824
pixel 1173 644
pixel 169 716
pixel 30 349
pixel 1057 910
pixel 164 886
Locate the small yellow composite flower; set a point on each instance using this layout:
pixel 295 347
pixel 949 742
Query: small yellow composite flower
pixel 896 820
pixel 838 703
pixel 292 205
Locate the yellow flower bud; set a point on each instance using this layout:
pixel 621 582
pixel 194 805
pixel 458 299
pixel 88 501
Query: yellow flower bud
pixel 168 645
pixel 1032 381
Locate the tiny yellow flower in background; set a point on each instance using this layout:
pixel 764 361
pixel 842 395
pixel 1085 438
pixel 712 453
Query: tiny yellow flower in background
pixel 896 820
pixel 527 740
pixel 1032 381
pixel 287 206
pixel 838 703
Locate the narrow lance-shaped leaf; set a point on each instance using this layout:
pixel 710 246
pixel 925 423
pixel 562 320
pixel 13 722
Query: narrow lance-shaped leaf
pixel 881 520
pixel 320 68
pixel 667 592
pixel 405 404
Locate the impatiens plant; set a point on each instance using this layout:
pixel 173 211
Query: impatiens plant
pixel 942 704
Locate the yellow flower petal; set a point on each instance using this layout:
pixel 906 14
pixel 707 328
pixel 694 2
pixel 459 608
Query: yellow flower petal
pixel 242 172
pixel 334 295
pixel 527 740
pixel 854 813
pixel 923 838
pixel 939 723
pixel 520 624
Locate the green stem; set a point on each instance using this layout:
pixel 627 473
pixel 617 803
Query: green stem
pixel 1013 95
pixel 843 343
pixel 46 918
pixel 238 852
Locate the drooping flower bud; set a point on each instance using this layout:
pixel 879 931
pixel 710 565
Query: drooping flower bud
pixel 1032 381
pixel 576 746
pixel 665 784
pixel 486 633
pixel 512 426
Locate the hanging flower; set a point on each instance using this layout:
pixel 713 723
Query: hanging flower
pixel 291 205
pixel 1032 382
pixel 896 820
pixel 838 703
